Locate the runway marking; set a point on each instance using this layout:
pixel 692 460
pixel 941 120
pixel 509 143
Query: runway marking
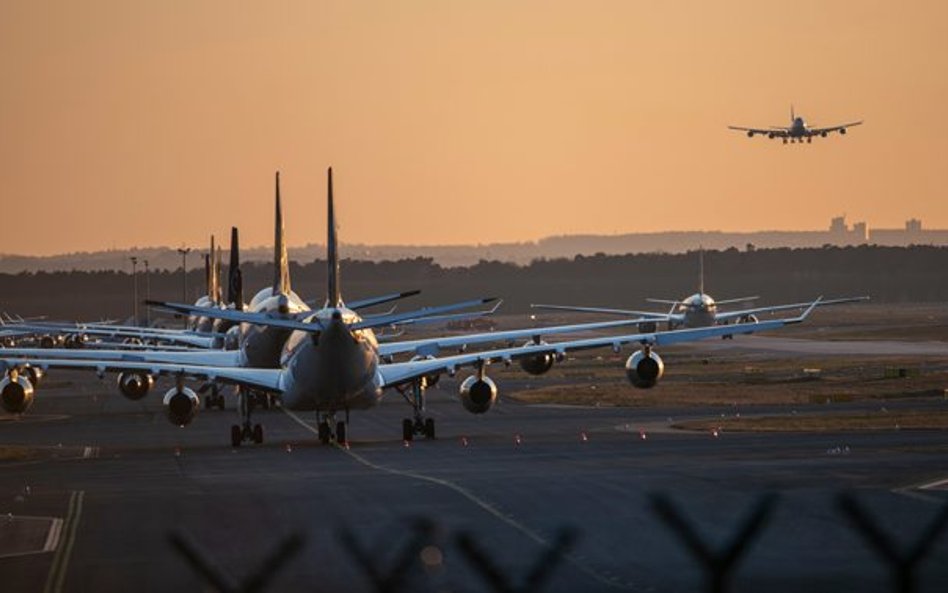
pixel 477 501
pixel 90 452
pixel 57 572
pixel 937 484
pixel 52 536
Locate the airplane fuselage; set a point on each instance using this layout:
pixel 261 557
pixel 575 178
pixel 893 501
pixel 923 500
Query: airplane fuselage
pixel 262 346
pixel 798 128
pixel 698 310
pixel 333 370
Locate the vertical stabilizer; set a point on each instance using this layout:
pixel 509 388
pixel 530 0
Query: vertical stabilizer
pixel 332 253
pixel 281 263
pixel 793 117
pixel 701 270
pixel 207 274
pixel 218 289
pixel 235 284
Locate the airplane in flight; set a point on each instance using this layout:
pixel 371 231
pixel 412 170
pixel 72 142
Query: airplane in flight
pixel 797 131
pixel 699 309
pixel 333 364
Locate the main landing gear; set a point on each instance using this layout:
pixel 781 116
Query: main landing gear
pixel 214 399
pixel 327 421
pixel 418 424
pixel 245 431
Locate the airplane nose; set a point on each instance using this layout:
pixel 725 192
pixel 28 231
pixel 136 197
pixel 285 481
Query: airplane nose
pixel 337 315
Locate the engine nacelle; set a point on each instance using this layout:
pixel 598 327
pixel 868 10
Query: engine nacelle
pixel 48 342
pixel 33 374
pixel 16 393
pixel 430 380
pixel 644 369
pixel 182 405
pixel 135 386
pixel 539 364
pixel 478 395
pixel 750 134
pixel 747 319
pixel 75 341
pixel 842 131
pixel 232 338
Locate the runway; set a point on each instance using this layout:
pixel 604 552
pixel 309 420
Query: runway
pixel 121 480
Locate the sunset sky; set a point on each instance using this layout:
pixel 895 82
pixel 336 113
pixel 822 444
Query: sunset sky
pixel 447 121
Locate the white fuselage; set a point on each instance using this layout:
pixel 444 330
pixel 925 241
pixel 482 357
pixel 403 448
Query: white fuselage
pixel 262 346
pixel 335 369
pixel 698 310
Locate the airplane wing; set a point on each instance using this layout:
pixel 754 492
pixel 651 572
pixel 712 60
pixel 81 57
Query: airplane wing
pixel 649 315
pixel 178 337
pixel 773 132
pixel 726 316
pixel 241 316
pixel 386 298
pixel 431 347
pixel 270 380
pixel 836 128
pixel 219 358
pixel 403 372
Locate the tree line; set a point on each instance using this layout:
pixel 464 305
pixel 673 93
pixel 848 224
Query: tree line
pixel 887 274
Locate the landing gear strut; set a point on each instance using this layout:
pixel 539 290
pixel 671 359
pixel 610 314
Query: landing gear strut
pixel 213 399
pixel 327 421
pixel 418 424
pixel 245 431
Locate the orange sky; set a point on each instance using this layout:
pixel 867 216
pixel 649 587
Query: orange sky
pixel 155 123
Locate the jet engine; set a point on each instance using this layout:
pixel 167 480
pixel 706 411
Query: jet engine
pixel 33 374
pixel 182 405
pixel 75 341
pixel 842 130
pixel 823 134
pixel 747 319
pixel 644 369
pixel 135 386
pixel 539 364
pixel 48 342
pixel 16 393
pixel 750 134
pixel 478 394
pixel 430 380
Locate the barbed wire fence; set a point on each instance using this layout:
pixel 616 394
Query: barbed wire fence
pixel 413 558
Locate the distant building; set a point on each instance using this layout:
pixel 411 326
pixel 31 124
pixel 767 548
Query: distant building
pixel 912 234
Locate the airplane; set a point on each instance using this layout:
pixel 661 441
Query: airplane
pixel 332 365
pixel 797 131
pixel 699 309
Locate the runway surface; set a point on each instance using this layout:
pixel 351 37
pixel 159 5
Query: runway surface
pixel 120 480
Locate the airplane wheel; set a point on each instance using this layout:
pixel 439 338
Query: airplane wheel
pixel 257 433
pixel 220 402
pixel 340 432
pixel 408 430
pixel 429 428
pixel 235 436
pixel 324 432
pixel 207 402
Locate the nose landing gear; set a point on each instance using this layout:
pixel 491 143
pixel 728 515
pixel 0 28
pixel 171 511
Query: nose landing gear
pixel 325 429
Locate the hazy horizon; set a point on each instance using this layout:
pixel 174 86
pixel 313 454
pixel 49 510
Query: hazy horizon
pixel 456 123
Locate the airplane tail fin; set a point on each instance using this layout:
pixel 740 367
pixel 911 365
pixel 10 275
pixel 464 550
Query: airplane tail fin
pixel 701 271
pixel 207 274
pixel 218 289
pixel 793 116
pixel 235 284
pixel 281 263
pixel 334 297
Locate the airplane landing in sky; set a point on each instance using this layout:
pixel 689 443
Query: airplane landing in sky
pixel 797 131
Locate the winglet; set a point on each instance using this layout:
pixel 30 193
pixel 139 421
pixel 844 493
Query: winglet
pixel 809 310
pixel 332 253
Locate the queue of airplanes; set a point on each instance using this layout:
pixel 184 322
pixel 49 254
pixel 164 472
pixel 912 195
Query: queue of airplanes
pixel 330 361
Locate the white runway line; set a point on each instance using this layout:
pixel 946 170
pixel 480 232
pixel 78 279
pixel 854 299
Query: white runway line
pixel 610 581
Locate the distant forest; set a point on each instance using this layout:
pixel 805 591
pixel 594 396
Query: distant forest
pixel 887 274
